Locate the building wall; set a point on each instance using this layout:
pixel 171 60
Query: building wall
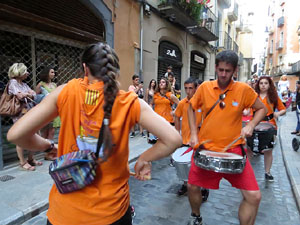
pixel 126 36
pixel 156 30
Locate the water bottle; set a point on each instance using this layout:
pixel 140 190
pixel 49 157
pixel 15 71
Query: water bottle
pixel 255 143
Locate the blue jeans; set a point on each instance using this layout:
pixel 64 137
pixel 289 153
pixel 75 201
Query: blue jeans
pixel 298 121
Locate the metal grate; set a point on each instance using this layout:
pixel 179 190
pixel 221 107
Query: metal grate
pixel 6 178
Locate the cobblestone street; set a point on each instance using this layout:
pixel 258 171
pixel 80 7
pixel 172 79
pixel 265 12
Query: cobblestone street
pixel 156 202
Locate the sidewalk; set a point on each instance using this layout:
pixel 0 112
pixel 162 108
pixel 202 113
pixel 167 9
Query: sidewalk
pixel 24 194
pixel 290 157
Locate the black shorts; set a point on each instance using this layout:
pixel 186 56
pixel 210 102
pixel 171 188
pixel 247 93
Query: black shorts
pixel 125 220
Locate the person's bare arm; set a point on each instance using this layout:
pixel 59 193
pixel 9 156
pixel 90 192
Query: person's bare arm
pixel 193 127
pixel 260 113
pixel 168 140
pixel 24 132
pixel 177 123
pixel 38 89
pixel 174 99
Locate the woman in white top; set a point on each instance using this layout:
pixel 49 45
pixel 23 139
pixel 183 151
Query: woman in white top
pixel 283 84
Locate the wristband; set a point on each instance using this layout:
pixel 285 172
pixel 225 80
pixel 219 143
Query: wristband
pixel 51 147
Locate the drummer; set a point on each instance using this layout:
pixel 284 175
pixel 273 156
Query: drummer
pixel 267 93
pixel 221 127
pixel 190 87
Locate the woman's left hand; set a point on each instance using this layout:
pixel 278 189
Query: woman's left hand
pixel 143 170
pixel 276 115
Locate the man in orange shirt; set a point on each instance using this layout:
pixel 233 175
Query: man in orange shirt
pixel 221 126
pixel 190 87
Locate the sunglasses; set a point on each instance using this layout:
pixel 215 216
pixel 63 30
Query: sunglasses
pixel 221 98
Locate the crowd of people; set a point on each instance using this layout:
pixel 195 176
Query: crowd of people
pixel 208 118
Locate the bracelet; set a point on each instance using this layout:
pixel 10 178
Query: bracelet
pixel 51 145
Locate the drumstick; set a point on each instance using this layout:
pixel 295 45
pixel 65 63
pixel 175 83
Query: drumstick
pixel 147 177
pixel 201 143
pixel 228 146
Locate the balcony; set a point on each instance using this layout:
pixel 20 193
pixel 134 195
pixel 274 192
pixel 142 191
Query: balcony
pixel 271 30
pixel 279 45
pixel 235 47
pixel 185 16
pixel 227 41
pixel 233 13
pixel 226 3
pixel 296 67
pixel 270 51
pixel 280 21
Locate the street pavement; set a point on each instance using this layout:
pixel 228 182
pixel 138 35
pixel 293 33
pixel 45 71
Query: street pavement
pixel 155 201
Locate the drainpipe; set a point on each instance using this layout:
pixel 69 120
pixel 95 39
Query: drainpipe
pixel 1 147
pixel 141 39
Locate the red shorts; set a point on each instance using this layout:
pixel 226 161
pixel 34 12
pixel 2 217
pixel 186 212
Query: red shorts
pixel 211 180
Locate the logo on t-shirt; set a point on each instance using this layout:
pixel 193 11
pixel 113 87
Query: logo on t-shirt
pixel 235 103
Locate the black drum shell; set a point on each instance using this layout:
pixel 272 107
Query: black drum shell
pixel 266 139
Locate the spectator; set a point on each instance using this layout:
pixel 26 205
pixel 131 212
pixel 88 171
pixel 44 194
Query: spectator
pixel 297 101
pixel 283 85
pixel 17 73
pixel 150 92
pixel 46 86
pixel 175 87
pixel 169 70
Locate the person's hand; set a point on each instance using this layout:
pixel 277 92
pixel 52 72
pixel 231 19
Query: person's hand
pixel 246 112
pixel 142 169
pixel 140 86
pixel 194 140
pixel 20 95
pixel 276 115
pixel 247 131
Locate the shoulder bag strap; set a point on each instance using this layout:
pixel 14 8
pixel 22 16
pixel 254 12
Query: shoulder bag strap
pixel 100 139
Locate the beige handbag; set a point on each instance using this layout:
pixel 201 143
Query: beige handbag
pixel 10 105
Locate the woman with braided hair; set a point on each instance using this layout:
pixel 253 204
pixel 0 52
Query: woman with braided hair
pixel 82 105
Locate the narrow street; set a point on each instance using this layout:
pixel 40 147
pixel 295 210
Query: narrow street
pixel 156 202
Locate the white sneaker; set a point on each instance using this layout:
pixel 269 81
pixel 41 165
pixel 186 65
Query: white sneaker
pixel 195 220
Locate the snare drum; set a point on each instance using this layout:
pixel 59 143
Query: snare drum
pixel 182 162
pixel 219 162
pixel 263 137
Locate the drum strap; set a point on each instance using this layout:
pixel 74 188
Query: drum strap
pixel 243 150
pixel 269 117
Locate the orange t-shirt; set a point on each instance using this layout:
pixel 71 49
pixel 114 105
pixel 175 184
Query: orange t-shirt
pixel 181 112
pixel 162 106
pixel 280 106
pixel 80 107
pixel 222 126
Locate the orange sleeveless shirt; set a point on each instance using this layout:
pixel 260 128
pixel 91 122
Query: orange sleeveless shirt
pixel 106 200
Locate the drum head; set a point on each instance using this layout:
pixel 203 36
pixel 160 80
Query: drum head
pixel 223 155
pixel 264 126
pixel 178 155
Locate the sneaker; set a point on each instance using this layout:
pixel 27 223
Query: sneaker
pixel 132 211
pixel 171 163
pixel 205 193
pixel 143 135
pixel 269 177
pixel 132 134
pixel 195 220
pixel 182 190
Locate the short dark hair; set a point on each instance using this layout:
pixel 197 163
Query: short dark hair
pixel 171 74
pixel 199 81
pixel 134 77
pixel 228 56
pixel 170 67
pixel 298 81
pixel 191 80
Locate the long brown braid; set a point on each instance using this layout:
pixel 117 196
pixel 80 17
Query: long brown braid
pixel 103 63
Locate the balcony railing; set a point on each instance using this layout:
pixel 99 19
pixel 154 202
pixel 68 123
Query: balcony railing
pixel 234 14
pixel 279 45
pixel 174 11
pixel 280 21
pixel 270 51
pixel 227 41
pixel 235 47
pixel 296 67
pixel 271 29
